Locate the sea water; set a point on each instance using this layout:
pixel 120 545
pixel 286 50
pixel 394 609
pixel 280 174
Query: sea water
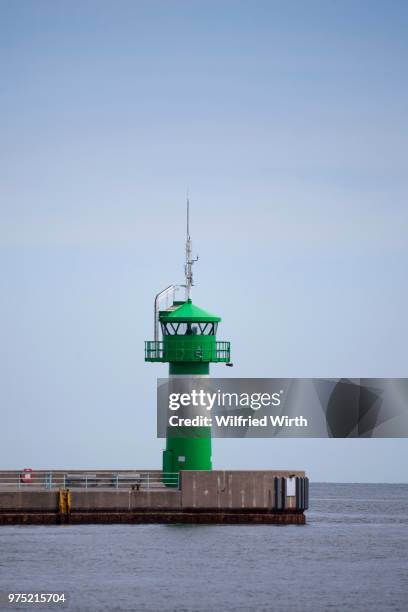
pixel 351 555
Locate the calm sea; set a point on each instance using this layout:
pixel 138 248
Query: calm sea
pixel 352 555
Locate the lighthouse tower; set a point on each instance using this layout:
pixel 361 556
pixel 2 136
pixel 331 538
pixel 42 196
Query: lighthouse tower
pixel 188 343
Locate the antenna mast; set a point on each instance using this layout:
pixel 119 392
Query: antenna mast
pixel 188 268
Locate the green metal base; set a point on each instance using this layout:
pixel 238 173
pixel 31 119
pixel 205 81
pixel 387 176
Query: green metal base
pixel 190 368
pixel 192 452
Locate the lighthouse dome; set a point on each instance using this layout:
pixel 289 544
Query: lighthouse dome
pixel 184 312
pixel 187 319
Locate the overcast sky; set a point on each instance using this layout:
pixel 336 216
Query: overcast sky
pixel 288 123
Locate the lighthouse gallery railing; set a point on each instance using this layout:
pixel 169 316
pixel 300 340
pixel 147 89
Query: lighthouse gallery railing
pixel 155 351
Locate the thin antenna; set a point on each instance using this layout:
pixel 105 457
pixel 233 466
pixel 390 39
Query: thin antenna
pixel 188 218
pixel 188 268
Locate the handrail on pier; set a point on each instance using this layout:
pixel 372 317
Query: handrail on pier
pixel 86 479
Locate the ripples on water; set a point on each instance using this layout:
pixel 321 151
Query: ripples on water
pixel 352 555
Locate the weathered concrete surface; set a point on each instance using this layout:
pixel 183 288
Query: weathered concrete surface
pixel 29 518
pixel 29 500
pixel 204 497
pixel 198 517
pixel 119 500
pixel 149 517
pixel 230 489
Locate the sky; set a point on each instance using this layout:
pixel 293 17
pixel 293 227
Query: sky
pixel 287 122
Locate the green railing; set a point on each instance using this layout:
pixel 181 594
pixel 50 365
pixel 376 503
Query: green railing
pixel 182 351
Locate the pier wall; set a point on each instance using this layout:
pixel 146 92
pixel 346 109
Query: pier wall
pixel 202 497
pixel 234 489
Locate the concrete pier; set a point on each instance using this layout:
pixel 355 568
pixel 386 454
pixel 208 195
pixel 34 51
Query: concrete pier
pixel 223 497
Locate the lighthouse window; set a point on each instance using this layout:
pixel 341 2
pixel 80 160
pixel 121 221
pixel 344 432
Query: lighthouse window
pixel 208 329
pixel 169 329
pixel 192 329
pixel 189 329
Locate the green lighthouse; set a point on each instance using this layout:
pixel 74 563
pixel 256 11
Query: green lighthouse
pixel 189 345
